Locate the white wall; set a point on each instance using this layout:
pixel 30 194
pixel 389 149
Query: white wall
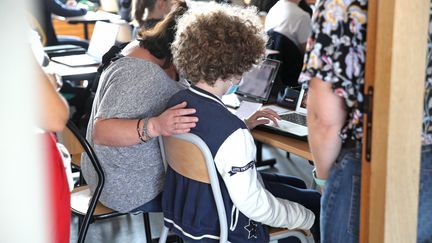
pixel 23 212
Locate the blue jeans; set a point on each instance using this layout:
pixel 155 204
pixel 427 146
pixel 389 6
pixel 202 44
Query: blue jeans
pixel 294 189
pixel 424 228
pixel 340 202
pixel 155 205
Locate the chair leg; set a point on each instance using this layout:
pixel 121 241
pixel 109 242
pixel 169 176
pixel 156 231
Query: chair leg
pixel 81 232
pixel 147 228
pixel 80 221
pixel 259 160
pixel 81 180
pixel 164 235
pixel 83 225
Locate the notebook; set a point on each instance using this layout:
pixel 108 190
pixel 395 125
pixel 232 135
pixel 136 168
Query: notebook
pixel 63 50
pixel 256 84
pixel 293 122
pixel 103 37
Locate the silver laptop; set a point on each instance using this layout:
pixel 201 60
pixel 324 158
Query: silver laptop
pixel 294 122
pixel 103 37
pixel 256 84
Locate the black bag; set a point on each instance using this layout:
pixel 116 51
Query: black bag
pixel 289 55
pixel 288 98
pixel 113 54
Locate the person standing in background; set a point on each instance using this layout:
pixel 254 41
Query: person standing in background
pixel 305 5
pixel 424 228
pixel 288 27
pixel 334 73
pixel 45 10
pixel 287 18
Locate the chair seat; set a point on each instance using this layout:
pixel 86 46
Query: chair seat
pixel 280 233
pixel 80 199
pixel 76 159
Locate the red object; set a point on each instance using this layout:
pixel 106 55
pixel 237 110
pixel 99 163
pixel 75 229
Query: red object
pixel 59 192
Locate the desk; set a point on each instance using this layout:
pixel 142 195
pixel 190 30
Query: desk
pixel 291 145
pixel 288 144
pixel 90 18
pixel 73 73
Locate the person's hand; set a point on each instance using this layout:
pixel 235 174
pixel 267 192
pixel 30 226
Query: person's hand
pixel 175 120
pixel 262 117
pixel 71 3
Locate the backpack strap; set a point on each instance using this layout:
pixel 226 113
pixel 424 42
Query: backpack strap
pixel 112 55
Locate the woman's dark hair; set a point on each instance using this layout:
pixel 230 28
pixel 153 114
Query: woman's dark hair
pixel 158 40
pixel 139 8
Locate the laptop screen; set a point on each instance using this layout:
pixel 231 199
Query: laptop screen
pixel 301 103
pixel 103 37
pixel 258 81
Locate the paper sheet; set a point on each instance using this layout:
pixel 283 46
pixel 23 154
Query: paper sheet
pixel 277 109
pixel 246 109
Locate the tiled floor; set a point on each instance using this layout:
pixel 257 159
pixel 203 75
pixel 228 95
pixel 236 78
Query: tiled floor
pixel 130 228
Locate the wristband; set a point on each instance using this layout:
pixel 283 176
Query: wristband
pixel 140 132
pixel 319 182
pixel 144 132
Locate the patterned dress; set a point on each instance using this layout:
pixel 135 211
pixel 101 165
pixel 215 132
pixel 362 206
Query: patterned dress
pixel 427 109
pixel 336 53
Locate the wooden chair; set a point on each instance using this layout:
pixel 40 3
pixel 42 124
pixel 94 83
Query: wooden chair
pixel 83 204
pixel 188 155
pixel 68 139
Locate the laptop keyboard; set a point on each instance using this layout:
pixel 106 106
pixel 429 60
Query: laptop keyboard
pixel 294 118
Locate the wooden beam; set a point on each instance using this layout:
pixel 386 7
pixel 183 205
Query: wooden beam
pixel 369 83
pixel 399 84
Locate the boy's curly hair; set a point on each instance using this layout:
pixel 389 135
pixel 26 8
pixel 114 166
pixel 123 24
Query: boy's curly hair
pixel 217 41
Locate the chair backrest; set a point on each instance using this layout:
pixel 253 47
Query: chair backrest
pixel 68 139
pixel 76 137
pixel 290 56
pixel 188 155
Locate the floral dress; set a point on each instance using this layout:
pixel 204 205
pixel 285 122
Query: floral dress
pixel 427 109
pixel 336 53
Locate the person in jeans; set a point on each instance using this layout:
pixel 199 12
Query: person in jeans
pixel 424 232
pixel 230 42
pixel 334 75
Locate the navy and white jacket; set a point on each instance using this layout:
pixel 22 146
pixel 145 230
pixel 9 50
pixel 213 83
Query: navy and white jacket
pixel 188 205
